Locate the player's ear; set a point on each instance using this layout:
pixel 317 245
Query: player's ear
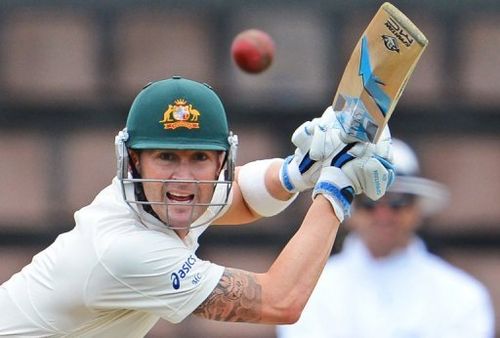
pixel 135 159
pixel 222 161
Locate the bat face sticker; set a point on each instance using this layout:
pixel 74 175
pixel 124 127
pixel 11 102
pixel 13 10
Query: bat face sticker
pixel 390 43
pixel 371 83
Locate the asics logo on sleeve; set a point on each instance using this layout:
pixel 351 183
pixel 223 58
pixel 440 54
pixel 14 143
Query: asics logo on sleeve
pixel 177 277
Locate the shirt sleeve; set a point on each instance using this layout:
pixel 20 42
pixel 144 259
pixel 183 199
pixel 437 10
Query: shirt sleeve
pixel 152 273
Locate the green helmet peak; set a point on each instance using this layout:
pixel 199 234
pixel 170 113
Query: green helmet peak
pixel 177 113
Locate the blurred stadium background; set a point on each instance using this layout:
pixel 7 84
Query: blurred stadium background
pixel 70 69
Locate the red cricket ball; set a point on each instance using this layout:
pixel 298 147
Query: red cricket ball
pixel 253 50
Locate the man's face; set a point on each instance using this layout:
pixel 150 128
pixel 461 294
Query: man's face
pixel 182 197
pixel 387 224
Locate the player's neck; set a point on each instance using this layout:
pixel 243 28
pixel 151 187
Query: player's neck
pixel 182 233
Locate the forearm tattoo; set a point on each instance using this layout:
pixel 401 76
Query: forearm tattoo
pixel 237 298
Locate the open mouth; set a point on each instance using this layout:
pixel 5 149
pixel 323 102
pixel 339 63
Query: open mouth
pixel 180 198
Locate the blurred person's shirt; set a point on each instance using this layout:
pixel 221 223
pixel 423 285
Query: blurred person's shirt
pixel 412 293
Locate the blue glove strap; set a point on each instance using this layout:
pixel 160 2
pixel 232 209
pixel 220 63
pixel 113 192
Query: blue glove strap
pixel 285 177
pixel 306 164
pixel 343 197
pixel 343 156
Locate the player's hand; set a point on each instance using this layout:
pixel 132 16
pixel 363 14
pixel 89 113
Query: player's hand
pixel 357 168
pixel 315 142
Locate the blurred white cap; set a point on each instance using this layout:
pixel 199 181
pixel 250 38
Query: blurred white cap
pixel 433 196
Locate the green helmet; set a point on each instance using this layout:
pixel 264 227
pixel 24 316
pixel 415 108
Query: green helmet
pixel 177 113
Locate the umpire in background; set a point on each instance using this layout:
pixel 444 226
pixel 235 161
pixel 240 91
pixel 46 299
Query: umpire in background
pixel 384 283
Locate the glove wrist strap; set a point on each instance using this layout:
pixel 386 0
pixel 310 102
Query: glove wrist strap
pixel 291 178
pixel 337 189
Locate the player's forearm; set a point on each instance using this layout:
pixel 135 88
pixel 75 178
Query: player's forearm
pixel 287 285
pixel 278 296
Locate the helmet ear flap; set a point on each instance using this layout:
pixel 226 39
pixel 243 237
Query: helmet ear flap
pixel 122 157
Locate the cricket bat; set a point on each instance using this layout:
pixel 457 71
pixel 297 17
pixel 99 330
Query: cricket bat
pixel 377 73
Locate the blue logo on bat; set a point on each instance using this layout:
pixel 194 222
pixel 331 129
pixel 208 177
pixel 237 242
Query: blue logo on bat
pixel 371 82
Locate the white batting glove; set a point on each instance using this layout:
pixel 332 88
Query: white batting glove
pixel 369 172
pixel 326 137
pixel 357 168
pixel 316 141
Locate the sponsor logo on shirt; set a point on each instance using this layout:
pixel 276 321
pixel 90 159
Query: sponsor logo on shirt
pixel 177 277
pixel 196 279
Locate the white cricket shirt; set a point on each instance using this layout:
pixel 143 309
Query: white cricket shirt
pixel 407 295
pixel 110 276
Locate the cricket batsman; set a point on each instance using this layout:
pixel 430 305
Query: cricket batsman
pixel 131 258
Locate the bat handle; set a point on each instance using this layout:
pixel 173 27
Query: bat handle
pixel 356 124
pixel 344 137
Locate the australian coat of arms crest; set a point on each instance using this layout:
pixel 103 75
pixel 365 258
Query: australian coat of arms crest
pixel 181 114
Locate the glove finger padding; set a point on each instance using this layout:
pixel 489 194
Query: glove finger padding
pixel 299 172
pixel 371 171
pixel 315 142
pixel 302 136
pixel 326 139
pixel 370 174
pixel 383 146
pixel 329 119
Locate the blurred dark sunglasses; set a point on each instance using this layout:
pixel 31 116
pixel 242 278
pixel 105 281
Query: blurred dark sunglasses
pixel 392 200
